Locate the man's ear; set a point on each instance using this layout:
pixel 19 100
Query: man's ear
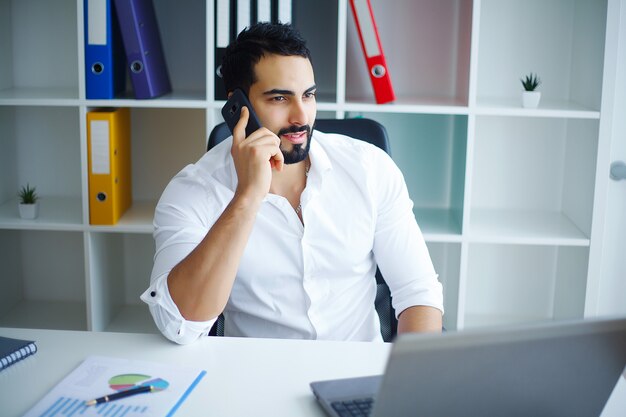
pixel 230 93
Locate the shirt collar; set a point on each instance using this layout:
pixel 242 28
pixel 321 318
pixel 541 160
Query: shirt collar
pixel 320 162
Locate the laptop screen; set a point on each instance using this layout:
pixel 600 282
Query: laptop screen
pixel 554 369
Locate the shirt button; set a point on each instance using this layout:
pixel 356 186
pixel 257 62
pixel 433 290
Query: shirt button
pixel 153 293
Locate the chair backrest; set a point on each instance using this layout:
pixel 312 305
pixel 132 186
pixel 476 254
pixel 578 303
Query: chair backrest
pixel 369 131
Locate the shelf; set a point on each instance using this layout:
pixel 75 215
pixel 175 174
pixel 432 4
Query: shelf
pixel 428 57
pixel 509 284
pixel 39 314
pixel 325 99
pixel 39 97
pixel 164 141
pixel 564 47
pixel 44 281
pixel 137 219
pixel 534 165
pixel 547 108
pixel 446 257
pixel 133 319
pixel 504 196
pixel 39 46
pixel 183 32
pixel 432 147
pixel 177 99
pixel 55 213
pixel 327 106
pixel 419 105
pixel 524 227
pixel 438 225
pixel 325 102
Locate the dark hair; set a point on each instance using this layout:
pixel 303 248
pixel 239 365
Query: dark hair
pixel 252 44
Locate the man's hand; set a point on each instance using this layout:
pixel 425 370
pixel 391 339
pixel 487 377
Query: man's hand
pixel 255 156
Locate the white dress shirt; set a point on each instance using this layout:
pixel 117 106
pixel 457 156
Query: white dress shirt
pixel 311 281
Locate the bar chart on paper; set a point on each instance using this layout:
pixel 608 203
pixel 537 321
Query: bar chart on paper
pixel 68 407
pixel 100 376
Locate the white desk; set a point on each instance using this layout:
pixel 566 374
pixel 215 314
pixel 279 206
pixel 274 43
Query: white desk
pixel 245 377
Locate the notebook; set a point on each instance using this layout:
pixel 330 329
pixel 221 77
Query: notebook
pixel 556 369
pixel 14 350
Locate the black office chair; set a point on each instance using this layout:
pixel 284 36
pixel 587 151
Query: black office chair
pixel 369 131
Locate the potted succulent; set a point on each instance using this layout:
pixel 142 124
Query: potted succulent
pixel 530 95
pixel 29 207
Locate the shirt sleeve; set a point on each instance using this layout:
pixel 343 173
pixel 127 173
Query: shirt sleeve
pixel 399 247
pixel 180 224
pixel 167 316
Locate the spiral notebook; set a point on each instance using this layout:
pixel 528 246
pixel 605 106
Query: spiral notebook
pixel 14 350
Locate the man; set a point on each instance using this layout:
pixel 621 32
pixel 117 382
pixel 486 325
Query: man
pixel 282 230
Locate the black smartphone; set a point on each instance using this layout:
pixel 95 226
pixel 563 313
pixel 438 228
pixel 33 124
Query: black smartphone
pixel 232 112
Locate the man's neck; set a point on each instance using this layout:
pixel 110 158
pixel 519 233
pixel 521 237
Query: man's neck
pixel 291 181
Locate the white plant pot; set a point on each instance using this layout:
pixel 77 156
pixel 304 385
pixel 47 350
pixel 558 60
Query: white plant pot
pixel 530 99
pixel 29 211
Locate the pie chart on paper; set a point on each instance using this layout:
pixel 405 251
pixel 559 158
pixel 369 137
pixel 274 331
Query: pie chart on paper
pixel 129 381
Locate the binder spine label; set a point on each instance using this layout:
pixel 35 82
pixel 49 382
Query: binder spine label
pixel 96 22
pixel 243 15
pixel 264 11
pixel 284 11
pixel 100 154
pixel 223 19
pixel 370 43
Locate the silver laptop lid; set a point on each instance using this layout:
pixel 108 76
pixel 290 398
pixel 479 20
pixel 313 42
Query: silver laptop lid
pixel 557 369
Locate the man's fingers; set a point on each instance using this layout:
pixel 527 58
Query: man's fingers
pixel 264 141
pixel 277 160
pixel 239 132
pixel 269 143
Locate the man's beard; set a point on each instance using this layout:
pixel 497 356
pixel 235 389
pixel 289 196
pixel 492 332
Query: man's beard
pixel 297 152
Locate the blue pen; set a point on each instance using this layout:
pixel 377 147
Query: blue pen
pixel 121 394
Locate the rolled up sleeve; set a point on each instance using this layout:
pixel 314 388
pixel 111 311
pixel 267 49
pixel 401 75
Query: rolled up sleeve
pixel 399 247
pixel 180 223
pixel 167 316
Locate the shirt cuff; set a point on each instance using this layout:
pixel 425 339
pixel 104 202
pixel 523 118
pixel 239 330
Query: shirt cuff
pixel 419 293
pixel 167 317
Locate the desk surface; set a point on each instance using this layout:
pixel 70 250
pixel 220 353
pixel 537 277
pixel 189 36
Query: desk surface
pixel 245 377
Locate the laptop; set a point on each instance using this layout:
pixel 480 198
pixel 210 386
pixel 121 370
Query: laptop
pixel 554 369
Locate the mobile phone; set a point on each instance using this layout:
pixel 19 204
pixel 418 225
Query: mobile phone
pixel 232 112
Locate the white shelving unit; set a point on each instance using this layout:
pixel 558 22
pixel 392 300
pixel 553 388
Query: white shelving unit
pixel 504 195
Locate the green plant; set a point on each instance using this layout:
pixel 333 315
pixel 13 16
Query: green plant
pixel 28 195
pixel 530 82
